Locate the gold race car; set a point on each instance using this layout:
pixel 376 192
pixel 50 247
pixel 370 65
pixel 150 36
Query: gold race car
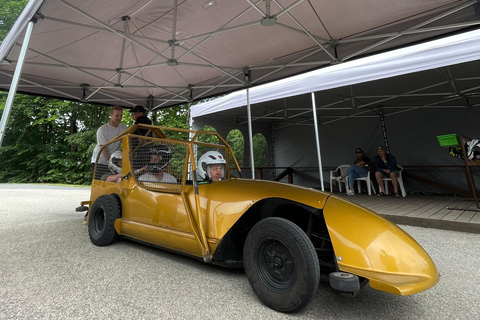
pixel 181 190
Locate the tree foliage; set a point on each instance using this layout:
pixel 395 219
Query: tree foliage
pixel 236 141
pixel 260 150
pixel 9 12
pixel 49 140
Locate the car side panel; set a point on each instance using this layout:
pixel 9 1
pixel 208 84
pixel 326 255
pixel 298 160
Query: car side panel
pixel 225 202
pixel 158 218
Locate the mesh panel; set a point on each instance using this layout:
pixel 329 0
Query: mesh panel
pixel 157 164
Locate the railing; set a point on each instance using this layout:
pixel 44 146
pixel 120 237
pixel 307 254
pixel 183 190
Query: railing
pixel 408 173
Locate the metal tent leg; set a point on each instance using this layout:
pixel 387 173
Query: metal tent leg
pixel 16 79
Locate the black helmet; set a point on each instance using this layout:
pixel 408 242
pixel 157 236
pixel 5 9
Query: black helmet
pixel 165 154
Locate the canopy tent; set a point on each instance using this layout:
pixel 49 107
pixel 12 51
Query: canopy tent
pixel 420 92
pixel 164 53
pixel 161 54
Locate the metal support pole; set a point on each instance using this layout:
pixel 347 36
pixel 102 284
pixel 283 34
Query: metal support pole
pixel 250 133
pixel 317 138
pixel 16 79
pixel 384 130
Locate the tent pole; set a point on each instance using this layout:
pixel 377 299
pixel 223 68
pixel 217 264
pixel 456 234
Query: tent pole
pixel 317 138
pixel 250 133
pixel 16 79
pixel 384 130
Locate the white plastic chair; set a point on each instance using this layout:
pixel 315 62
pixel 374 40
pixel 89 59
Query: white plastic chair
pixel 333 174
pixel 400 182
pixel 370 186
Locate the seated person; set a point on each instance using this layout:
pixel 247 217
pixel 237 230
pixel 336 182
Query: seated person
pixel 211 167
pixel 115 166
pixel 160 157
pixel 358 170
pixel 386 166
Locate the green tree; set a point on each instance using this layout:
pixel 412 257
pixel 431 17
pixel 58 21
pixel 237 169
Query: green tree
pixel 236 141
pixel 9 12
pixel 49 140
pixel 175 117
pixel 206 139
pixel 260 150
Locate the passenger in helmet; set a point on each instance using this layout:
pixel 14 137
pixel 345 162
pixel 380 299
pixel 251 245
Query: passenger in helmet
pixel 160 157
pixel 211 167
pixel 115 167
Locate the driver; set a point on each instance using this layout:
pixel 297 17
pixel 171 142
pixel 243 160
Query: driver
pixel 211 167
pixel 160 157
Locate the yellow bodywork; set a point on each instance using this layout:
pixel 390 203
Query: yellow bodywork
pixel 163 219
pixel 370 246
pixel 194 219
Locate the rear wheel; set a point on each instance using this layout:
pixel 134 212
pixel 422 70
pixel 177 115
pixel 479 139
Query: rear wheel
pixel 281 264
pixel 103 213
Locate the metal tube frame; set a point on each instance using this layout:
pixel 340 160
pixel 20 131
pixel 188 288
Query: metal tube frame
pixel 16 79
pixel 317 139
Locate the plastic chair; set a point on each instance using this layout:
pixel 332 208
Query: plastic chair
pixel 400 182
pixel 370 186
pixel 333 174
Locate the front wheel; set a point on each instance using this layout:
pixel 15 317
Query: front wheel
pixel 281 264
pixel 103 213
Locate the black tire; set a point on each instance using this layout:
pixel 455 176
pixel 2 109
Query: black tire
pixel 103 213
pixel 281 264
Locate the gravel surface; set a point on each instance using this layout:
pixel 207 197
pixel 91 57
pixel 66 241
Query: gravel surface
pixel 50 270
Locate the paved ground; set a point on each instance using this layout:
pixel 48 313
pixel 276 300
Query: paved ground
pixel 50 270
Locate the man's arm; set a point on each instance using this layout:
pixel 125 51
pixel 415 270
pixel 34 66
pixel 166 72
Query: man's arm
pixel 360 163
pixel 378 164
pixel 391 163
pixel 105 154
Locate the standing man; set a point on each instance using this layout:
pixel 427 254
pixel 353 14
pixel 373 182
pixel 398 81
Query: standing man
pixel 104 134
pixel 139 115
pixel 140 112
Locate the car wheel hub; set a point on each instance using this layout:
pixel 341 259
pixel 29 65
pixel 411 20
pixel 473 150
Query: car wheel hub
pixel 277 265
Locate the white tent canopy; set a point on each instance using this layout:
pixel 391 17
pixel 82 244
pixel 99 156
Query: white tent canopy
pixel 447 51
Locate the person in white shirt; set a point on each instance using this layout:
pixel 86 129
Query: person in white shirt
pixel 160 157
pixel 104 134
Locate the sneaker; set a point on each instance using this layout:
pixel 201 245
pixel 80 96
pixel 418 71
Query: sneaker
pixel 339 179
pixel 397 195
pixel 350 193
pixel 85 220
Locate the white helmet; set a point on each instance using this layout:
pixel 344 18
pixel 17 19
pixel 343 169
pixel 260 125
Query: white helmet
pixel 209 158
pixel 115 163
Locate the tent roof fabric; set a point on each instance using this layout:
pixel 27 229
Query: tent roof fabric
pixel 437 74
pixel 119 52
